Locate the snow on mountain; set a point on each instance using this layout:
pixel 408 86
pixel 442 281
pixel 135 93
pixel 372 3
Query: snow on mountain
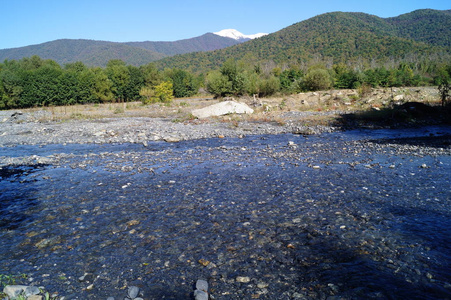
pixel 236 35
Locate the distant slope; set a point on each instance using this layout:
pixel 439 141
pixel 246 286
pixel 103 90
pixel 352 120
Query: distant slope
pixel 425 25
pixel 92 53
pixel 340 36
pixel 98 53
pixel 206 42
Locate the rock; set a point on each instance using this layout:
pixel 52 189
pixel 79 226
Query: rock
pixel 200 295
pixel 262 285
pixel 202 285
pixel 222 108
pixel 32 290
pixel 204 262
pixel 171 139
pixel 133 291
pixel 35 297
pixel 398 97
pixel 14 290
pixel 110 298
pixel 243 279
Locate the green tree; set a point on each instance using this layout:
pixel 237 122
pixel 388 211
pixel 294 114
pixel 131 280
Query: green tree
pixel 317 79
pixel 184 83
pixel 288 77
pixel 42 86
pixel 101 86
pixel 218 84
pixel 119 75
pixel 443 81
pixel 269 86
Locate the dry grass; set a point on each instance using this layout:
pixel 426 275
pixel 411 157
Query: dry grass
pixel 270 109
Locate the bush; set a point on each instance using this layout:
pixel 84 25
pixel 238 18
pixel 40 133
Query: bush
pixel 164 92
pixel 317 79
pixel 268 87
pixel 218 84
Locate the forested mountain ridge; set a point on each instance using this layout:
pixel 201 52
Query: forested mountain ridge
pixel 98 53
pixel 333 37
pixel 206 42
pixel 337 37
pixel 90 52
pixel 426 25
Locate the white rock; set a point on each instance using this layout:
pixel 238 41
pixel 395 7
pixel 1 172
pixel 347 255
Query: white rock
pixel 243 279
pixel 398 98
pixel 133 291
pixel 222 108
pixel 202 285
pixel 14 290
pixel 200 295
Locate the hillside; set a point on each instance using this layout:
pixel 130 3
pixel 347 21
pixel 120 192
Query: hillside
pixel 426 25
pixel 335 37
pixel 339 36
pixel 98 53
pixel 206 42
pixel 91 53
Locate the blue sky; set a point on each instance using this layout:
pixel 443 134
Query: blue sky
pixel 28 22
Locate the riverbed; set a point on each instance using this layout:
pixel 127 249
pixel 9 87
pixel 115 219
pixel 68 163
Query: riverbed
pixel 362 214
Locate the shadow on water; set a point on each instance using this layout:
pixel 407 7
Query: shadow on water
pixel 357 275
pixel 16 197
pixel 398 116
pixel 441 141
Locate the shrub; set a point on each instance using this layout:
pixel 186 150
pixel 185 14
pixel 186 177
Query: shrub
pixel 317 79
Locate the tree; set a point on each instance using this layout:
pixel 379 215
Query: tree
pixel 218 84
pixel 119 75
pixel 444 90
pixel 147 93
pixel 184 83
pixel 317 79
pixel 443 81
pixel 101 85
pixel 164 92
pixel 269 86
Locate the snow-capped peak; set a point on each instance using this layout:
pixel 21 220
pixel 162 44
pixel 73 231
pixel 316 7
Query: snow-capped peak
pixel 236 35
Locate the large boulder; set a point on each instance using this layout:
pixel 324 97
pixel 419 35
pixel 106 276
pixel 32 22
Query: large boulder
pixel 222 108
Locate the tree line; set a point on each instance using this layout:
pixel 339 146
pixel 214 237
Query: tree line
pixel 31 82
pixel 34 82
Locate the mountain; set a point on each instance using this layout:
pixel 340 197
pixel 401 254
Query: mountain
pixel 337 36
pixel 91 53
pixel 206 42
pixel 236 35
pixel 98 53
pixel 426 25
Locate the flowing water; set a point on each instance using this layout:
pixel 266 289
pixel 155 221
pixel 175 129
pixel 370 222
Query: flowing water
pixel 355 215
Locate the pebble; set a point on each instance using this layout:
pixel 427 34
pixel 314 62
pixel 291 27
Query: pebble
pixel 133 291
pixel 243 279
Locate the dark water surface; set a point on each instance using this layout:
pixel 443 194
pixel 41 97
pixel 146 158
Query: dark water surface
pixel 355 215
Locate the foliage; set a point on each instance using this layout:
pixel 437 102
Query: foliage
pixel 218 84
pixel 32 82
pixel 184 83
pixel 443 81
pixel 317 79
pixel 164 92
pixel 357 39
pixel 7 279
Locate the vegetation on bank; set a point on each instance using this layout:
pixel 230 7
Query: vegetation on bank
pixel 34 82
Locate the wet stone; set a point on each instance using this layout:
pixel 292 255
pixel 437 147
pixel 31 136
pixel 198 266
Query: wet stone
pixel 133 291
